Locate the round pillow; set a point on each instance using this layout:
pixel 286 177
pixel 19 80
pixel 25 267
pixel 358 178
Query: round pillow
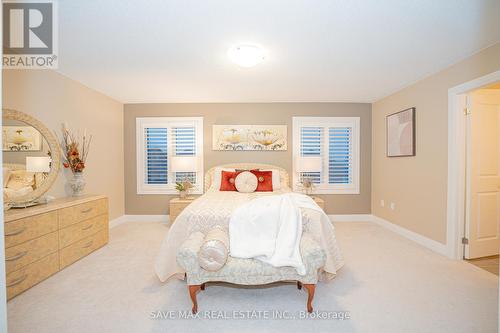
pixel 214 250
pixel 246 182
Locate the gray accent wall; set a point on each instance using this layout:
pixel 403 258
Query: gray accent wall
pixel 251 114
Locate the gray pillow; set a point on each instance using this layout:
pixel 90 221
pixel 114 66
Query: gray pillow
pixel 214 250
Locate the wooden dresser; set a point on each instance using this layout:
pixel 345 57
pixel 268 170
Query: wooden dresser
pixel 41 240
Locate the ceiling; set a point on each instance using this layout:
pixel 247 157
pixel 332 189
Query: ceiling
pixel 318 50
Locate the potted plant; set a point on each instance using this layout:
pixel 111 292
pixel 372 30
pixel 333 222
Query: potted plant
pixel 183 188
pixel 75 152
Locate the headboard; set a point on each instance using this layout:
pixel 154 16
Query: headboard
pixel 209 175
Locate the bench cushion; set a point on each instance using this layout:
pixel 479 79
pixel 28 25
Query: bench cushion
pixel 250 271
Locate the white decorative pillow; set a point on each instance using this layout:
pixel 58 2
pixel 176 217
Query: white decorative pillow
pixel 246 182
pixel 217 177
pixel 213 253
pixel 276 178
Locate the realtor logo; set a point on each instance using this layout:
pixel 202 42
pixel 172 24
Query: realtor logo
pixel 29 34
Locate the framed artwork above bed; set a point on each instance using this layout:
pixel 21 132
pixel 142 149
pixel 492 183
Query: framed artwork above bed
pixel 401 133
pixel 249 137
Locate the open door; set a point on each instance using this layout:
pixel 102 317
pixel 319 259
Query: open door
pixel 483 170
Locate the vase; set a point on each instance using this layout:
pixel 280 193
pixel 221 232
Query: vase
pixel 77 184
pixel 182 194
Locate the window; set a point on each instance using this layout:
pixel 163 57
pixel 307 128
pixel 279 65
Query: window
pixel 332 143
pixel 169 150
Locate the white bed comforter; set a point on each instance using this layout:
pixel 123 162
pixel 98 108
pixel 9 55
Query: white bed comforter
pixel 269 229
pixel 215 208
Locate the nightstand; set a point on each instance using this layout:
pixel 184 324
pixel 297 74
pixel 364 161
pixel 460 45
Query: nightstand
pixel 177 205
pixel 320 202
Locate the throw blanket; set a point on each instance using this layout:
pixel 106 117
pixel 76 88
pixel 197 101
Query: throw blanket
pixel 270 229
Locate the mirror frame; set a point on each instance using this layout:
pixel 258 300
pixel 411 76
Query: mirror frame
pixel 55 154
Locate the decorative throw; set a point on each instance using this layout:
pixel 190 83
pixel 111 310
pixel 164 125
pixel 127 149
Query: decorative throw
pixel 264 180
pixel 228 179
pixel 269 229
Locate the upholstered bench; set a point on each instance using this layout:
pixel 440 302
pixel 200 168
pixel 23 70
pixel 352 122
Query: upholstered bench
pixel 250 271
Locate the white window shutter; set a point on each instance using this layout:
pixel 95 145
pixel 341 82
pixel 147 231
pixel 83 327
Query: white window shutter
pixel 184 144
pixel 159 140
pixel 340 155
pixel 311 143
pixel 336 141
pixel 156 162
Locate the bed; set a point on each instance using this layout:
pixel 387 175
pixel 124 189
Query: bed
pixel 214 208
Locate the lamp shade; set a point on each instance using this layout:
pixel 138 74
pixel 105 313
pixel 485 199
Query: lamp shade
pixel 184 164
pixel 309 164
pixel 38 164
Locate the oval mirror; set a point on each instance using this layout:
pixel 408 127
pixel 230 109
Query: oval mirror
pixel 31 158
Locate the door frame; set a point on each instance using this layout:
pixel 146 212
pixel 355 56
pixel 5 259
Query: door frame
pixel 456 197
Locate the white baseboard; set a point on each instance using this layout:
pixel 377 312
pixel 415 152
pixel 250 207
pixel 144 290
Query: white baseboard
pixel 413 236
pixel 138 218
pixel 116 222
pixel 351 217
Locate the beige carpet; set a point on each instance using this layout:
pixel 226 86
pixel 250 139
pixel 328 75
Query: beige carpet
pixel 388 284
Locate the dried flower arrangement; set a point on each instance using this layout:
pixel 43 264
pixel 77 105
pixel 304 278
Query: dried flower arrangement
pixel 74 158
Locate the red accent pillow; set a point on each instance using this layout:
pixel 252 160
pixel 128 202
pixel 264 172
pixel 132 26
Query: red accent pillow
pixel 227 180
pixel 264 180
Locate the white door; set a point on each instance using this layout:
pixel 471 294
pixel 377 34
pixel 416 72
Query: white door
pixel 483 165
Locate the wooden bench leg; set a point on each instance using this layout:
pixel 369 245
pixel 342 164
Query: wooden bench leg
pixel 310 295
pixel 192 293
pixel 299 285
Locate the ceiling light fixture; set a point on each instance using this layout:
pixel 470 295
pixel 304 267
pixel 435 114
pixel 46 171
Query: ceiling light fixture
pixel 246 55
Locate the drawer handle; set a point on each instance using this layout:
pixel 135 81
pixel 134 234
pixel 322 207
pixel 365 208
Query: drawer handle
pixel 89 244
pixel 88 210
pixel 17 281
pixel 17 256
pixel 17 232
pixel 88 227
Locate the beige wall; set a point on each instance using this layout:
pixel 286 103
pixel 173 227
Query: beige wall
pixel 418 185
pixel 53 99
pixel 252 113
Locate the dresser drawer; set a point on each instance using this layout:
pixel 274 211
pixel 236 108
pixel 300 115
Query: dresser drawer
pixel 80 249
pixel 81 230
pixel 26 253
pixel 78 213
pixel 28 276
pixel 22 230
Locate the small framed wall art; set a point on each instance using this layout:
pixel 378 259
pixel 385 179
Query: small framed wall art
pixel 401 133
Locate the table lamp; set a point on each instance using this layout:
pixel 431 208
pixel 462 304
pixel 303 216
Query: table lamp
pixel 308 164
